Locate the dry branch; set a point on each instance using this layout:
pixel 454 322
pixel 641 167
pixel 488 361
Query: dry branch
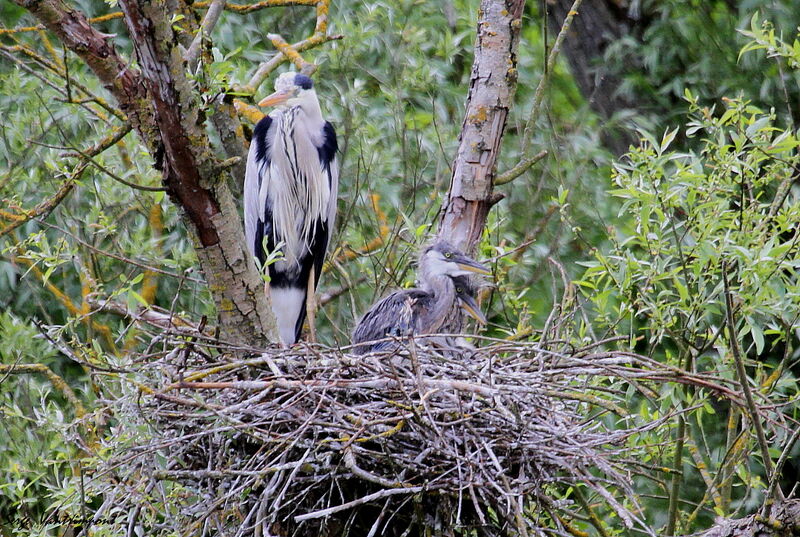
pixel 207 26
pixel 782 520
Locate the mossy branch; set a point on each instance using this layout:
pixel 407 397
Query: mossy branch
pixel 57 382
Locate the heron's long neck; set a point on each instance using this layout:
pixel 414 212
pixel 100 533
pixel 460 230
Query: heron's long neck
pixel 444 296
pixel 310 107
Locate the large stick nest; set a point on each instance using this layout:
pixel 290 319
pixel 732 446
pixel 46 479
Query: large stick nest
pixel 310 440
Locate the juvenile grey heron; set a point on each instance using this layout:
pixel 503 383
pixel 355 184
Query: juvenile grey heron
pixel 443 272
pixel 290 190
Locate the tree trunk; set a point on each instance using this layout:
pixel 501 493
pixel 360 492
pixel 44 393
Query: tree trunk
pixel 599 24
pixel 491 91
pixel 163 108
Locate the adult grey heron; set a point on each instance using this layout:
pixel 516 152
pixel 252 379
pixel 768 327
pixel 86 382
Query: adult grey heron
pixel 443 272
pixel 290 190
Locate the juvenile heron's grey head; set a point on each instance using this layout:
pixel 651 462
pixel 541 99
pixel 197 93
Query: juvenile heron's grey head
pixel 444 259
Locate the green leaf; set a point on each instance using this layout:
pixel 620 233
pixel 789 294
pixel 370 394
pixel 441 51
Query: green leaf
pixel 667 139
pixel 139 298
pixel 758 337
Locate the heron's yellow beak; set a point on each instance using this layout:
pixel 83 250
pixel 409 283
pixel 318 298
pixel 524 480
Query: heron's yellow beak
pixel 276 98
pixel 472 309
pixel 473 266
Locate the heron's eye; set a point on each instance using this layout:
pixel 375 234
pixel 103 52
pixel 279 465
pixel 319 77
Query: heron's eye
pixel 459 290
pixel 448 255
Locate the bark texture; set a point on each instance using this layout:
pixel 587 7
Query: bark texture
pixel 166 113
pixel 783 520
pixel 491 91
pixel 598 25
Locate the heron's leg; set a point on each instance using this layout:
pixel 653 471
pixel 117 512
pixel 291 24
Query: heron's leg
pixel 311 308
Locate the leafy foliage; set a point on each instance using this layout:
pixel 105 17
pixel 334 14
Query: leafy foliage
pixel 708 228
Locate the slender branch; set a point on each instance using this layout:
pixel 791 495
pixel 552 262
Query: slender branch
pixel 677 476
pixel 206 27
pixel 530 238
pixel 702 468
pixel 57 382
pixel 730 460
pixel 593 518
pixel 523 166
pixel 243 9
pixel 360 501
pixel 67 302
pixel 124 259
pixel 55 69
pixel 291 53
pixel 335 293
pixel 755 417
pixel 278 59
pixel 538 96
pixel 774 489
pixel 117 178
pixel 152 316
pixel 46 207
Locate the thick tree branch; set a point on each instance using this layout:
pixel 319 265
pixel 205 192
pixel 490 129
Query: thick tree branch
pixel 153 38
pixel 209 22
pixel 783 519
pixel 491 91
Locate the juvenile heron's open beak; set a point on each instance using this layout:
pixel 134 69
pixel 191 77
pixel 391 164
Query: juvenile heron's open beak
pixel 276 98
pixel 472 309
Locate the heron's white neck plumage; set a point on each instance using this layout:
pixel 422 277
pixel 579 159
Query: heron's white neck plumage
pixel 444 295
pixel 299 132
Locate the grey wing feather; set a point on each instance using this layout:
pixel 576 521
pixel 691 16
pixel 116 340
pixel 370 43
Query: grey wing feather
pixel 333 170
pixel 251 195
pixel 395 315
pixel 327 157
pixel 256 184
